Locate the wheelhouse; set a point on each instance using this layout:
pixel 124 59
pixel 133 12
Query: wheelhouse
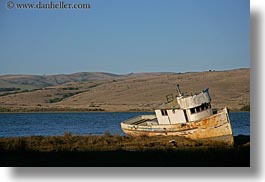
pixel 183 109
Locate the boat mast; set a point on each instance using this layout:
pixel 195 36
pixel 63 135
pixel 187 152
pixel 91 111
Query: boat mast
pixel 179 92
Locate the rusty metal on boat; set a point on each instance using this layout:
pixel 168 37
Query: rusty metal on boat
pixel 190 116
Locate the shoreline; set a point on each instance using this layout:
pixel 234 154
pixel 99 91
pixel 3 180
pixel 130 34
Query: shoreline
pixel 47 112
pixel 52 112
pixel 91 135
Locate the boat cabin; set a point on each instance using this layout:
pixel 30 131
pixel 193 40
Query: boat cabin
pixel 184 109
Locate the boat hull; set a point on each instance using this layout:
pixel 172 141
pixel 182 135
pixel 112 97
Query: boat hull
pixel 217 125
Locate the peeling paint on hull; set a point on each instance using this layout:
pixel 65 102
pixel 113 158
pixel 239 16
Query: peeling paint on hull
pixel 214 126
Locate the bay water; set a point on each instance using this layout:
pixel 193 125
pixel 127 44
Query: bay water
pixel 86 123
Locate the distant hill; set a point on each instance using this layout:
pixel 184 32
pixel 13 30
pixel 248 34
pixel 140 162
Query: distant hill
pixel 131 92
pixel 37 81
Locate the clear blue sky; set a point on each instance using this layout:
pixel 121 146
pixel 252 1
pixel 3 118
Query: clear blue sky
pixel 123 36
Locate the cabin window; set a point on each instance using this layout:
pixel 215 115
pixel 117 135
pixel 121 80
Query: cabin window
pixel 164 112
pixel 200 108
pixel 203 106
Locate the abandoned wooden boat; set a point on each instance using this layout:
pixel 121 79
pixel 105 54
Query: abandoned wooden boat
pixel 190 116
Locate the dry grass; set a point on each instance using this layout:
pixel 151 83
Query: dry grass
pixel 107 142
pixel 108 150
pixel 138 92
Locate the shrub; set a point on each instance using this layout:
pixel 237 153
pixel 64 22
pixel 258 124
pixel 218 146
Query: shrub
pixel 107 133
pixel 18 145
pixel 9 89
pixel 70 88
pixel 2 109
pixel 245 108
pixel 63 97
pixel 55 100
pixel 68 134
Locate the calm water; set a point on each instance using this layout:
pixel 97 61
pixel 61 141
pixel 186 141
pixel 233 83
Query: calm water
pixel 47 124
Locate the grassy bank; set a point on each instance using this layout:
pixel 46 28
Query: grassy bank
pixel 108 150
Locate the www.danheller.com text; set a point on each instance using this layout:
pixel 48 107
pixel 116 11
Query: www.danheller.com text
pixel 47 5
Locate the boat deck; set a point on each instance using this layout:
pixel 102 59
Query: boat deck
pixel 146 122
